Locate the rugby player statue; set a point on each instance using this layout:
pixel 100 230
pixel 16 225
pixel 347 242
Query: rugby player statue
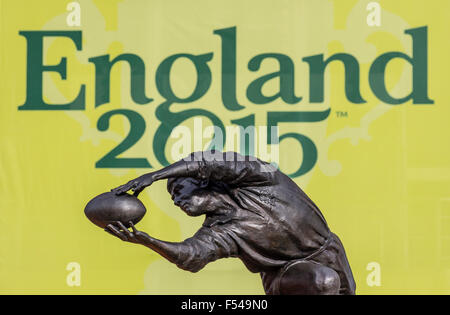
pixel 253 212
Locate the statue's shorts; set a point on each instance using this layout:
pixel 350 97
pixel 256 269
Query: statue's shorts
pixel 327 262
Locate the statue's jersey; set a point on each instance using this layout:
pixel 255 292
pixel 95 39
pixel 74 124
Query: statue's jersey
pixel 273 221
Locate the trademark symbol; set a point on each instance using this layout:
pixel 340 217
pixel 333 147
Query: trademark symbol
pixel 341 114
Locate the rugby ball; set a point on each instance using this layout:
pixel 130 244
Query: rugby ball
pixel 109 208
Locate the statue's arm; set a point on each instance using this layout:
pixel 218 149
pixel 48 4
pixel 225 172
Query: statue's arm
pixel 229 167
pixel 178 169
pixel 191 255
pixel 168 250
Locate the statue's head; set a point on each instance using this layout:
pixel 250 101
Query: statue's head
pixel 193 196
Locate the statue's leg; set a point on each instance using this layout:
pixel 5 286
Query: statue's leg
pixel 308 278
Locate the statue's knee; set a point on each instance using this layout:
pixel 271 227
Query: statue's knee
pixel 327 281
pixel 308 278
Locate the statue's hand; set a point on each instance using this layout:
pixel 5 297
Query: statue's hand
pixel 136 185
pixel 120 231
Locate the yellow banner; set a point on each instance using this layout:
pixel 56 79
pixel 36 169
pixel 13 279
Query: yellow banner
pixel 349 98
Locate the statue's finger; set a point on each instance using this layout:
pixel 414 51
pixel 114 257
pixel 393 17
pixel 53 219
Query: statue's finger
pixel 136 186
pixel 133 227
pixel 109 232
pixel 118 190
pixel 123 189
pixel 126 187
pixel 122 186
pixel 137 191
pixel 116 232
pixel 124 229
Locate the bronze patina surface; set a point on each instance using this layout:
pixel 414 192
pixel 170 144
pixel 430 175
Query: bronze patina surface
pixel 253 212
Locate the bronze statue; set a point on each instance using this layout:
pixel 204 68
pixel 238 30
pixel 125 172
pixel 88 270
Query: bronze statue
pixel 253 212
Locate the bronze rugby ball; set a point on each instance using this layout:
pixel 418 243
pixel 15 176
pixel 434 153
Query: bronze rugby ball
pixel 109 208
